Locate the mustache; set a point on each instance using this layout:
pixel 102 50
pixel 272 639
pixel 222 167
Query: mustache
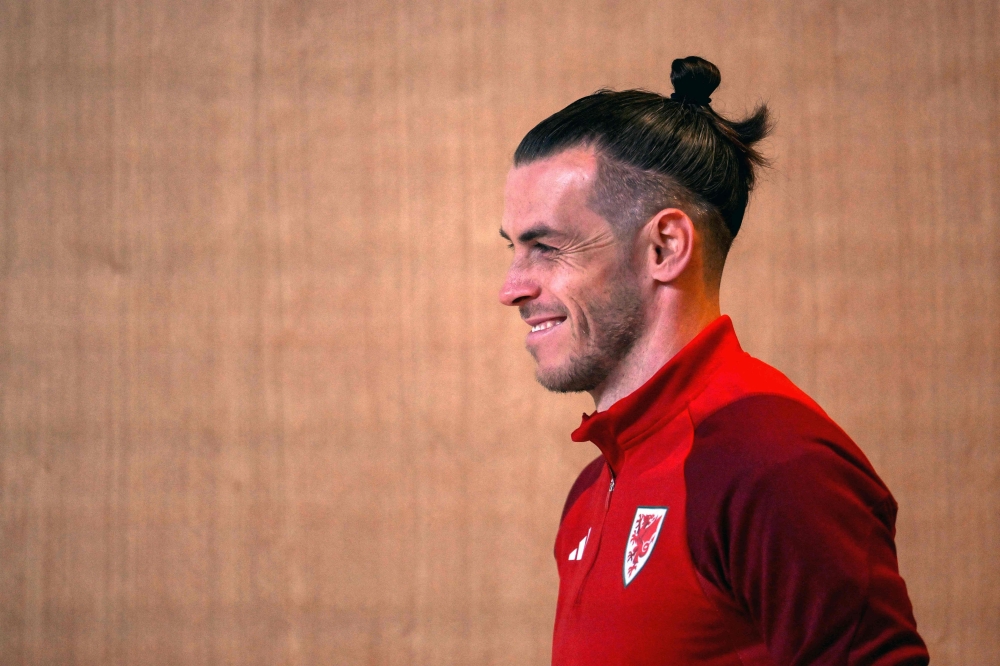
pixel 529 310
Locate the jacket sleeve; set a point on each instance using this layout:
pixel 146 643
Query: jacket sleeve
pixel 788 520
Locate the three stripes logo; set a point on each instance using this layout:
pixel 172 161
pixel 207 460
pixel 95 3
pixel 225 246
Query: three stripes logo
pixel 577 553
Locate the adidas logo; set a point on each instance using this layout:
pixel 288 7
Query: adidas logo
pixel 577 553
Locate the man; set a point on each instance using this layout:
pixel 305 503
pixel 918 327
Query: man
pixel 727 520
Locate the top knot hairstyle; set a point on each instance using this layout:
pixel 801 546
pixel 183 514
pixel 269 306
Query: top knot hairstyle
pixel 656 152
pixel 694 79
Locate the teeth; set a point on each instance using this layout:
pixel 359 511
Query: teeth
pixel 545 324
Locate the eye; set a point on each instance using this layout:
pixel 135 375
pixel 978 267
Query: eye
pixel 543 248
pixel 510 246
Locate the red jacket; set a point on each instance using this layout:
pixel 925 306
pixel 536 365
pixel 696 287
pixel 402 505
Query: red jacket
pixel 728 521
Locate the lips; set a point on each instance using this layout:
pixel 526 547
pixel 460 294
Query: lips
pixel 542 323
pixel 548 323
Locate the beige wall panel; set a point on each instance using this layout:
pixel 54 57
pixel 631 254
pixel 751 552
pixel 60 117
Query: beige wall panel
pixel 258 402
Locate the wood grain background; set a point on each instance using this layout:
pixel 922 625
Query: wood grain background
pixel 258 401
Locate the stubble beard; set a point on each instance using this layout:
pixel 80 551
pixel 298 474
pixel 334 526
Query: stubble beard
pixel 616 323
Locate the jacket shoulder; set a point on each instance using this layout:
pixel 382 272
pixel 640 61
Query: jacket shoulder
pixel 741 377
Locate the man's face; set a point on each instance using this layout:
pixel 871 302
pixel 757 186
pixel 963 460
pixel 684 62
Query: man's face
pixel 570 277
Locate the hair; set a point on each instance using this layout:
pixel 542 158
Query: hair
pixel 656 152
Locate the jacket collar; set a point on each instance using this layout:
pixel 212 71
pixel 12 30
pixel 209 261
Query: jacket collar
pixel 668 392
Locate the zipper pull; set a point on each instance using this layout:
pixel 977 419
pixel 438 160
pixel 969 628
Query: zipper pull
pixel 611 489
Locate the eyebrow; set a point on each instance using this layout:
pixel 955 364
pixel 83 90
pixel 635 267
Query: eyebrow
pixel 533 233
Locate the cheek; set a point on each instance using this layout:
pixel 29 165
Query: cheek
pixel 581 305
pixel 567 288
pixel 581 291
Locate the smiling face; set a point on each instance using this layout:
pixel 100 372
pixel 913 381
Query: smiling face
pixel 570 277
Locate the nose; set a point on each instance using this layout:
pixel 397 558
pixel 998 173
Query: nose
pixel 517 288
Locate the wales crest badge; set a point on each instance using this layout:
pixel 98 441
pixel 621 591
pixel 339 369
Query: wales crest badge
pixel 645 529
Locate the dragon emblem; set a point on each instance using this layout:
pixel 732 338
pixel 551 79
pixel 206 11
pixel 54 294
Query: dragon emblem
pixel 645 529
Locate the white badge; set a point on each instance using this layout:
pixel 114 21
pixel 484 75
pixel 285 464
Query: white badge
pixel 641 539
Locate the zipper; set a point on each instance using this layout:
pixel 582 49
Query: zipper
pixel 611 489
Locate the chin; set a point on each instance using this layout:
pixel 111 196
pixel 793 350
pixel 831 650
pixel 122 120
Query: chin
pixel 574 375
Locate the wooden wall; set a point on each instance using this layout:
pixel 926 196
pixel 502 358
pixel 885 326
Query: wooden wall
pixel 258 401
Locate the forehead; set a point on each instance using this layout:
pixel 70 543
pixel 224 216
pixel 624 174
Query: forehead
pixel 541 190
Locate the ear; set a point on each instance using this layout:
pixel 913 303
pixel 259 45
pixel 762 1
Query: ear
pixel 671 244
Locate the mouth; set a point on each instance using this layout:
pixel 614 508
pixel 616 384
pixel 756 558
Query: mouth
pixel 539 324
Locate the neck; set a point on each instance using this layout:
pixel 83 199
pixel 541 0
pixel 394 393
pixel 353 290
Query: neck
pixel 677 320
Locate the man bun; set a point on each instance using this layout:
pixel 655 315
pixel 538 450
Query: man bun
pixel 694 80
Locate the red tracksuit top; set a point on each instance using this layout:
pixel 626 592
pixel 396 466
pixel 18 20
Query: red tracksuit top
pixel 728 521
